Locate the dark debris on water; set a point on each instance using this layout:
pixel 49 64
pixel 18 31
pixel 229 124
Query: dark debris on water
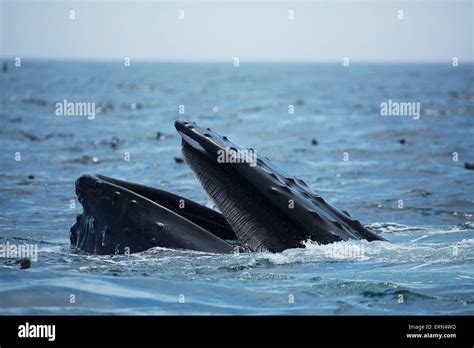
pixel 160 136
pixel 469 165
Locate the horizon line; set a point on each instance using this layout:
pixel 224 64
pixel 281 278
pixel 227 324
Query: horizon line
pixel 241 61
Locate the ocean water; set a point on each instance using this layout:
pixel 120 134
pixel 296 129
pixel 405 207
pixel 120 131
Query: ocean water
pixel 416 194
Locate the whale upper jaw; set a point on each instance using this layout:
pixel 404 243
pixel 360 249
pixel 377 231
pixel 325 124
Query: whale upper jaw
pixel 267 208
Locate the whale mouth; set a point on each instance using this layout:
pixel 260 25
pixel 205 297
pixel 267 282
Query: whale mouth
pixel 262 207
pixel 266 208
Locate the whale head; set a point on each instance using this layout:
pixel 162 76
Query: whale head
pixel 267 208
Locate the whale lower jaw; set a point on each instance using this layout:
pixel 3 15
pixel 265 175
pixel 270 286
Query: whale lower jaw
pixel 121 217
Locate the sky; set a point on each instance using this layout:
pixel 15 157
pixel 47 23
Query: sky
pixel 250 30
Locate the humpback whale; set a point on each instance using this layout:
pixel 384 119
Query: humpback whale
pixel 261 207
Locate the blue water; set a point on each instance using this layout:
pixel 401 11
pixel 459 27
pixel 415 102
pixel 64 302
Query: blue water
pixel 428 268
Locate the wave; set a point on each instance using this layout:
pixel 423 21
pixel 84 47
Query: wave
pixel 344 278
pixel 413 248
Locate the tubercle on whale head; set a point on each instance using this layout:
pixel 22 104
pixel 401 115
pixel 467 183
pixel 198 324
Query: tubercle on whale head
pixel 192 135
pixel 205 140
